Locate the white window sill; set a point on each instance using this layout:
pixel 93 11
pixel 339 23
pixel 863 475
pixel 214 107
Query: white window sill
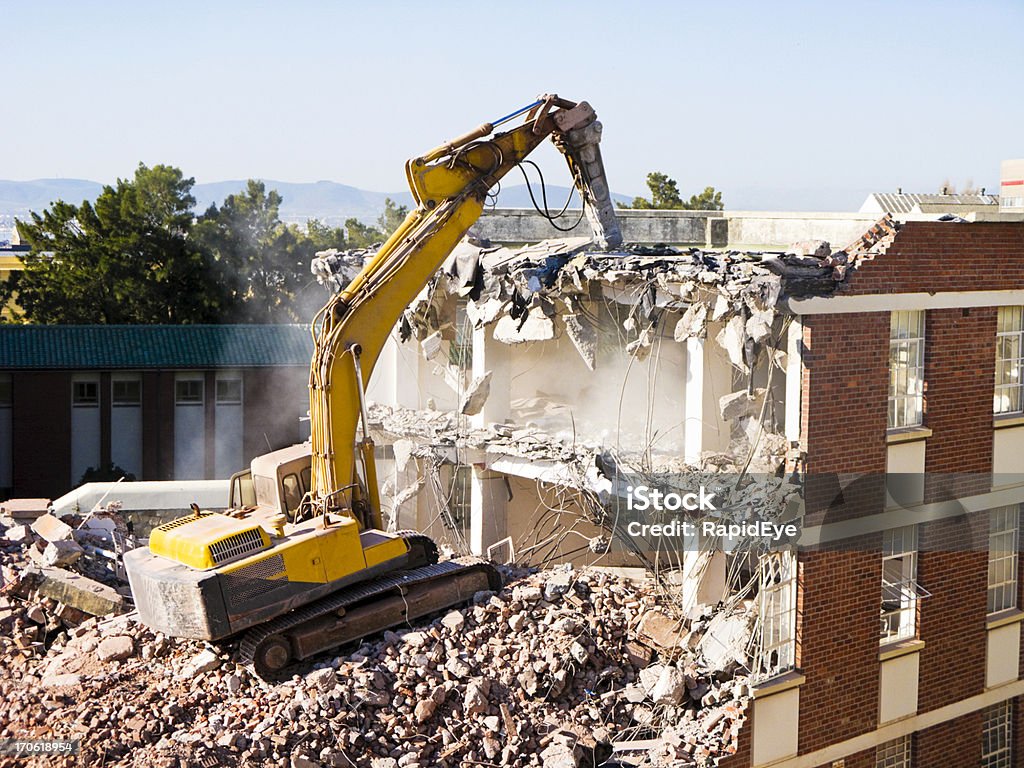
pixel 778 684
pixel 896 648
pixel 1003 420
pixel 1002 618
pixel 907 434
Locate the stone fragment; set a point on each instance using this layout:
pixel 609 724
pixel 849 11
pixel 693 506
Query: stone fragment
pixel 476 394
pixel 475 699
pixel 323 679
pixel 61 553
pixel 115 648
pixel 454 621
pixel 204 661
pixel 73 589
pixel 50 528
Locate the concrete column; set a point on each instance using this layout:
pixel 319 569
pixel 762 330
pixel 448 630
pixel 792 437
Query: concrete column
pixel 488 513
pixel 693 401
pixel 488 516
pixel 493 356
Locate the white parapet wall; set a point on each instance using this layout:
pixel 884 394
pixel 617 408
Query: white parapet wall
pixel 765 230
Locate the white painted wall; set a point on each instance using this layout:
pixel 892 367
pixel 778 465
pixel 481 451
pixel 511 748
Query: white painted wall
pixel 189 432
pixel 228 424
pixel 126 427
pixel 1002 655
pixel 897 687
pixel 85 429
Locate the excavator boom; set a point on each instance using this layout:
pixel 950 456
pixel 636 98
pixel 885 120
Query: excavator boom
pixel 449 184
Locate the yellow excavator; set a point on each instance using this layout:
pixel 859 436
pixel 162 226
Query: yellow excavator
pixel 300 563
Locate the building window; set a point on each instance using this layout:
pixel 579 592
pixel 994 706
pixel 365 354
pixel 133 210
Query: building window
pixel 906 369
pixel 997 736
pixel 1003 527
pixel 776 646
pixel 229 391
pixel 125 392
pixel 1009 354
pixel 188 392
pixel 459 498
pixel 460 352
pixel 900 590
pixel 5 390
pixel 894 754
pixel 85 394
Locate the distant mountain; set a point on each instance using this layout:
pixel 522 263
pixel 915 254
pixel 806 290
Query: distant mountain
pixel 20 197
pixel 325 200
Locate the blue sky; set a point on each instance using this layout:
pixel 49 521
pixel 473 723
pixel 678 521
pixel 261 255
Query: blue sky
pixel 793 99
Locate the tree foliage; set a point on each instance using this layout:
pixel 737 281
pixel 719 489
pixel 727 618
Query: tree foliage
pixel 127 258
pixel 262 263
pixel 665 195
pixel 139 255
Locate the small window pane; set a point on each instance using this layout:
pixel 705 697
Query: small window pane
pixel 85 394
pixel 126 391
pixel 229 391
pixel 188 392
pixel 5 390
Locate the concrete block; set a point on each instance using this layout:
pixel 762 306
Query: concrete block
pixel 52 529
pixel 74 590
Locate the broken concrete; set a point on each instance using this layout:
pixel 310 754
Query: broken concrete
pixel 75 590
pixel 476 394
pixel 50 528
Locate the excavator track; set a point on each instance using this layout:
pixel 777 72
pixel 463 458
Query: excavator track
pixel 365 609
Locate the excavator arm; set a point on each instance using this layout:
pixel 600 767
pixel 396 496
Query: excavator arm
pixel 449 184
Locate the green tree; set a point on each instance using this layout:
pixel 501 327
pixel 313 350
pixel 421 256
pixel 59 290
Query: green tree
pixel 361 235
pixel 392 217
pixel 263 263
pixel 127 258
pixel 665 195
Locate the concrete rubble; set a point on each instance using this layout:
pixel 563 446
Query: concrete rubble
pixel 552 671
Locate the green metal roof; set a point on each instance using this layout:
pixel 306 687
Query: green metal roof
pixel 93 347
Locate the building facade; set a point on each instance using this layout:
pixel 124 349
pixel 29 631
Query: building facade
pixel 158 402
pixel 893 632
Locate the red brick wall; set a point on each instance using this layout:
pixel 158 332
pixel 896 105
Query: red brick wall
pixel 845 385
pixel 960 351
pixel 837 628
pixel 865 759
pixel 941 256
pixel 952 620
pixel 41 433
pixel 953 743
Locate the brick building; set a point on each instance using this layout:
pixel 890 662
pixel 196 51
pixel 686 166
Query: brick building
pixel 161 402
pixel 897 625
pixel 911 368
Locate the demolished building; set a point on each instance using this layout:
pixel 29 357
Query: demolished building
pixel 525 388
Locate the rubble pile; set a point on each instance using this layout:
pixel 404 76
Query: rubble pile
pixel 556 670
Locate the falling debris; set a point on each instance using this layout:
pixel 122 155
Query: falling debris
pixel 476 395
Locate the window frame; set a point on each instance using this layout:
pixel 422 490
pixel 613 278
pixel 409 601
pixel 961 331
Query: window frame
pixel 897 753
pixel 996 752
pixel 180 401
pixel 78 401
pixel 119 401
pixel 222 399
pixel 1003 531
pixel 907 332
pixel 776 606
pixel 1009 332
pixel 900 545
